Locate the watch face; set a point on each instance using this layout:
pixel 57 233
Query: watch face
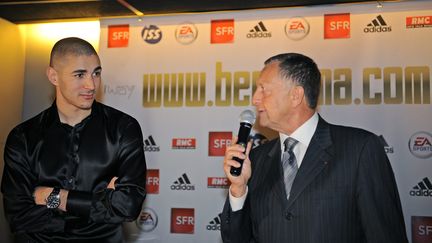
pixel 53 200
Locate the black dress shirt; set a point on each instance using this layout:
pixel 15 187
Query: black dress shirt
pixel 82 159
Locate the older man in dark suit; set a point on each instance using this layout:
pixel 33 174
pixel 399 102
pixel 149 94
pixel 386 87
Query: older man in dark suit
pixel 317 182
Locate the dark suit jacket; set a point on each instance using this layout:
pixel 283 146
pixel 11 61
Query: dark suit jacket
pixel 344 192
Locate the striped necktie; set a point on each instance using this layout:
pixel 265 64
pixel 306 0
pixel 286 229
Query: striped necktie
pixel 289 164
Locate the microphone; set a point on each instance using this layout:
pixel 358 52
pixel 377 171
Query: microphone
pixel 247 119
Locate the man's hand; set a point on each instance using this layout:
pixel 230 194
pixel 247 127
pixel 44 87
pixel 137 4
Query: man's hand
pixel 238 183
pixel 111 185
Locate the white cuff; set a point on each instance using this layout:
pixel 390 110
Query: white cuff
pixel 237 202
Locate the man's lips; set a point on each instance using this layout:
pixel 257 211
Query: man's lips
pixel 88 96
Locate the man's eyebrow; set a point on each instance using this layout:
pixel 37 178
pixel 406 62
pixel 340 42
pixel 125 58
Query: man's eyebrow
pixel 79 71
pixel 84 71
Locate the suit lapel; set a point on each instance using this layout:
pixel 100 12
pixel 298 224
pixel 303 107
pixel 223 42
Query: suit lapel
pixel 274 174
pixel 315 160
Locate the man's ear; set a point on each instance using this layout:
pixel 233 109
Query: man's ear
pixel 298 94
pixel 52 75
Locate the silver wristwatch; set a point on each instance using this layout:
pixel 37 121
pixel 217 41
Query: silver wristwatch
pixel 53 200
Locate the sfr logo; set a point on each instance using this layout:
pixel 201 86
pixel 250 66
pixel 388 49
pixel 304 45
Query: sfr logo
pixel 222 31
pixel 218 141
pixel 182 220
pixel 337 26
pixel 118 35
pixel 152 183
pixel 421 229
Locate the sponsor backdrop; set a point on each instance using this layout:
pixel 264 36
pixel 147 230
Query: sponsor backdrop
pixel 186 78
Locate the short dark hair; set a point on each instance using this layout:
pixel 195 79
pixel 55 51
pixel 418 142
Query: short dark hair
pixel 71 45
pixel 303 71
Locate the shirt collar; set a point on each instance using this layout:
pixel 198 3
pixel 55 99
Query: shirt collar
pixel 304 133
pixel 54 117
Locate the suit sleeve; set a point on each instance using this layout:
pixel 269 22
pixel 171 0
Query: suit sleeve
pixel 18 184
pixel 236 226
pixel 378 198
pixel 125 202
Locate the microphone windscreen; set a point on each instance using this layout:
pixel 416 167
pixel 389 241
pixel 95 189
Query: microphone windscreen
pixel 247 116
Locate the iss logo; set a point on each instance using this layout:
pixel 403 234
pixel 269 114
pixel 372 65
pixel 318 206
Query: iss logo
pixel 183 143
pixel 420 145
pixel 218 141
pixel 297 28
pixel 118 35
pixel 258 139
pixel 186 33
pixel 152 183
pixel 421 229
pixel 182 220
pixel 147 220
pixel 218 182
pixel 151 34
pixel 214 224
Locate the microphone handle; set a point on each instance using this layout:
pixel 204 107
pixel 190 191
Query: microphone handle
pixel 243 136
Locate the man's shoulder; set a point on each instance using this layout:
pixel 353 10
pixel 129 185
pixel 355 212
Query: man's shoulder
pixel 34 123
pixel 345 133
pixel 115 116
pixel 111 111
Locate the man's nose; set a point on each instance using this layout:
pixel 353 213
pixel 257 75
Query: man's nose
pixel 90 82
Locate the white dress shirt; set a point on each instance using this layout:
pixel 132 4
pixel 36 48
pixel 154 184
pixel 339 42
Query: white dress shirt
pixel 303 135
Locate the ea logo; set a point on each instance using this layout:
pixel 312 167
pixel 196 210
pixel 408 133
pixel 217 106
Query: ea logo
pixel 151 34
pixel 420 145
pixel 147 220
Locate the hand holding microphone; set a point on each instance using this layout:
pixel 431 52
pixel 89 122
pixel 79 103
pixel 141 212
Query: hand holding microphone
pixel 237 154
pixel 247 119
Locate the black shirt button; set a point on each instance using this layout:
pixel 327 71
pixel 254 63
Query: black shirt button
pixel 76 158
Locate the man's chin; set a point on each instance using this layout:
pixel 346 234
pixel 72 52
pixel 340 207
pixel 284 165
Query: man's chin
pixel 86 106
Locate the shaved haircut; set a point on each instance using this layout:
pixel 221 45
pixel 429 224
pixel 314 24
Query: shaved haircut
pixel 71 45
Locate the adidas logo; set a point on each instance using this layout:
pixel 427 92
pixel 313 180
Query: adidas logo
pixel 387 148
pixel 377 25
pixel 150 145
pixel 259 31
pixel 215 224
pixel 423 188
pixel 183 183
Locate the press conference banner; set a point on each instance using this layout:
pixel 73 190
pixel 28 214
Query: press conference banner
pixel 186 78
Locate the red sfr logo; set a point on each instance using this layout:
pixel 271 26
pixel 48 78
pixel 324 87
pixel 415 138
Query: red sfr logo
pixel 118 35
pixel 222 31
pixel 218 141
pixel 152 183
pixel 182 220
pixel 421 229
pixel 337 26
